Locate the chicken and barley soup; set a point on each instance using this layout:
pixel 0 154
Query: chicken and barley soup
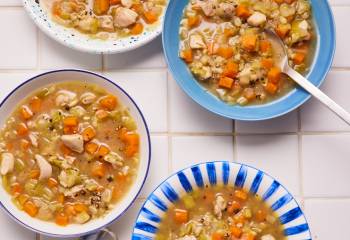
pixel 224 44
pixel 220 213
pixel 106 19
pixel 69 153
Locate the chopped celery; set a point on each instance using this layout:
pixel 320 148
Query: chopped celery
pixel 82 217
pixel 69 177
pixel 189 202
pixel 5 183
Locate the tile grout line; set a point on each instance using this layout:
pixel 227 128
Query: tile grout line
pixel 234 139
pixel 227 134
pixel 169 137
pixel 300 160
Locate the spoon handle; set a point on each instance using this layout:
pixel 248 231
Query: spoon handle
pixel 317 93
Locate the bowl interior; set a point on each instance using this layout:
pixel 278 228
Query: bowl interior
pixel 37 82
pixel 74 39
pixel 221 173
pixel 324 52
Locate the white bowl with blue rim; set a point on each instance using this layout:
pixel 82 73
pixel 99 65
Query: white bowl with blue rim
pixel 221 173
pixel 324 53
pixel 75 230
pixel 82 42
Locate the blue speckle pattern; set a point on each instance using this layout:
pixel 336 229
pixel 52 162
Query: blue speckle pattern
pixel 76 40
pixel 219 173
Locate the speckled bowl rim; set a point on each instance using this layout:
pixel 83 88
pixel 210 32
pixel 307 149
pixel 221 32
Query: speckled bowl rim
pixel 105 47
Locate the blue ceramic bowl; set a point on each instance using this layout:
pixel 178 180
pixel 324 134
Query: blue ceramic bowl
pixel 221 173
pixel 325 34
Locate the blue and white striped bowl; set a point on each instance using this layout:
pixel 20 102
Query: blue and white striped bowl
pixel 218 173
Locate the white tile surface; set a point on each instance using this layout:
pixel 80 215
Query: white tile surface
pixel 159 169
pixel 326 165
pixel 316 117
pixel 149 90
pixel 148 56
pixel 11 230
pixel 343 37
pixel 287 123
pixel 189 150
pixel 328 219
pixel 275 154
pixel 53 55
pixel 10 3
pixel 23 38
pixel 187 116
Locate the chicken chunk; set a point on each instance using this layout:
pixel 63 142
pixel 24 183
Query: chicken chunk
pixel 44 166
pixel 88 97
pixel 75 142
pixel 257 19
pixel 197 42
pixel 106 23
pixel 7 163
pixel 66 98
pixel 267 237
pixel 225 10
pixel 124 17
pixel 219 205
pixel 208 7
pixel 127 3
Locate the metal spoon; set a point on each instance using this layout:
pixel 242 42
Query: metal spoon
pixel 282 60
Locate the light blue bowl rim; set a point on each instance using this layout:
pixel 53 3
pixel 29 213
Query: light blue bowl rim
pixel 93 231
pixel 217 162
pixel 324 54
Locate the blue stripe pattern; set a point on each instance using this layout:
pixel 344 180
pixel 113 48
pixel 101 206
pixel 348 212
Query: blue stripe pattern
pixel 197 174
pixel 169 192
pixel 256 183
pixel 273 188
pixel 137 236
pixel 225 172
pixel 241 176
pixel 150 215
pixel 281 202
pixel 291 215
pixel 158 203
pixel 211 173
pixel 146 227
pixel 184 182
pixel 296 230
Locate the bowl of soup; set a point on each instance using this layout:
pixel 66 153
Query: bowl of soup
pixel 99 26
pixel 224 60
pixel 74 150
pixel 218 201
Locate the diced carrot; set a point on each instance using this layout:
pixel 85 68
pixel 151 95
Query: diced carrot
pixel 240 194
pixel 187 55
pixel 109 102
pixel 26 113
pixel 289 1
pixel 271 88
pixel 22 129
pixel 61 219
pixel 260 215
pixel 180 215
pixel 243 11
pixel 226 82
pixel 70 130
pixel 136 29
pixel 279 1
pixel 51 182
pixel 70 121
pixel 101 6
pixel 217 236
pixel 265 46
pixel 24 144
pixel 193 21
pixel 16 189
pixel 114 2
pixel 69 210
pixel 23 198
pixel 249 42
pixel 240 219
pixel 298 58
pixel 88 134
pixel 65 150
pixel 103 150
pixel 267 63
pixel 274 75
pixel 225 51
pixel 35 104
pixel 34 174
pixel 249 93
pixel 231 69
pixel 30 208
pixel 248 236
pixel 80 207
pixel 229 32
pixel 9 146
pixel 282 30
pixel 236 231
pixel 60 198
pixel 132 141
pixel 101 114
pixel 233 207
pixel 150 17
pixel 91 147
pixel 138 7
pixel 98 169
